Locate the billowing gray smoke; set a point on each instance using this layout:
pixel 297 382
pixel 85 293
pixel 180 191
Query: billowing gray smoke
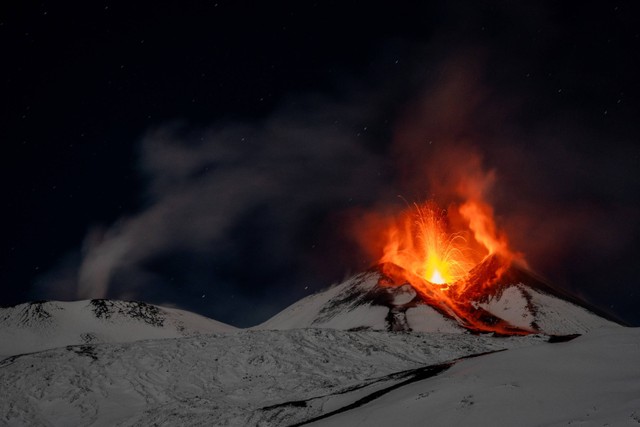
pixel 242 218
pixel 233 211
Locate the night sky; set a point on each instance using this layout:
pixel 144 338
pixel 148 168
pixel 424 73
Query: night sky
pixel 215 155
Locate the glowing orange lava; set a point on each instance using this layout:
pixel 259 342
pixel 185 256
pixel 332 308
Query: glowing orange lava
pixel 451 258
pixel 419 242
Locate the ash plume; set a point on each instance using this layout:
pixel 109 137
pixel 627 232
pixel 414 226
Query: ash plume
pixel 242 218
pixel 231 209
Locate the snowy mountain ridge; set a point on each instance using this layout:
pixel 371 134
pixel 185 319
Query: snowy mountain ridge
pixel 368 351
pixel 367 301
pixel 38 326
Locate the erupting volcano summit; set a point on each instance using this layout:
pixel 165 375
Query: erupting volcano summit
pixel 388 297
pixel 451 258
pixel 443 271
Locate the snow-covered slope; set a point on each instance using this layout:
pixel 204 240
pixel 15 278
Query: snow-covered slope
pixel 361 303
pixel 329 377
pixel 593 380
pixel 367 301
pixel 369 351
pixel 38 326
pixel 245 378
pixel 529 308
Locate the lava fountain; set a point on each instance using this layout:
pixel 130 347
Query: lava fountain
pixel 452 257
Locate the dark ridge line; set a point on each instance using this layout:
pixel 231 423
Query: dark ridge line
pixel 72 347
pixel 10 359
pixel 562 338
pixel 420 374
pixel 540 283
pixel 76 348
pixel 367 383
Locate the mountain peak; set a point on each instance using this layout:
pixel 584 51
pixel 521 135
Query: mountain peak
pixel 516 303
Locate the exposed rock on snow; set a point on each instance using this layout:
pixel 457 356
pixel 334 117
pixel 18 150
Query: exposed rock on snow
pixel 592 380
pixel 37 326
pixel 365 352
pixel 370 301
pixel 243 378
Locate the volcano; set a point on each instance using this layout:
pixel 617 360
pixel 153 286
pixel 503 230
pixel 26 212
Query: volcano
pixel 444 270
pixel 373 344
pixel 517 303
pixel 376 343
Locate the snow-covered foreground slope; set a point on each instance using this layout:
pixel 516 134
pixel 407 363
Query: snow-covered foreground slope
pixel 369 351
pixel 592 380
pixel 37 326
pixel 244 378
pixel 329 377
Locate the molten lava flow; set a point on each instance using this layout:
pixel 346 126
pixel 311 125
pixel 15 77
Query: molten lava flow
pixel 450 267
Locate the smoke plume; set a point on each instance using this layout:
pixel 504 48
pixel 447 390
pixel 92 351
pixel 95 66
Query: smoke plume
pixel 242 218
